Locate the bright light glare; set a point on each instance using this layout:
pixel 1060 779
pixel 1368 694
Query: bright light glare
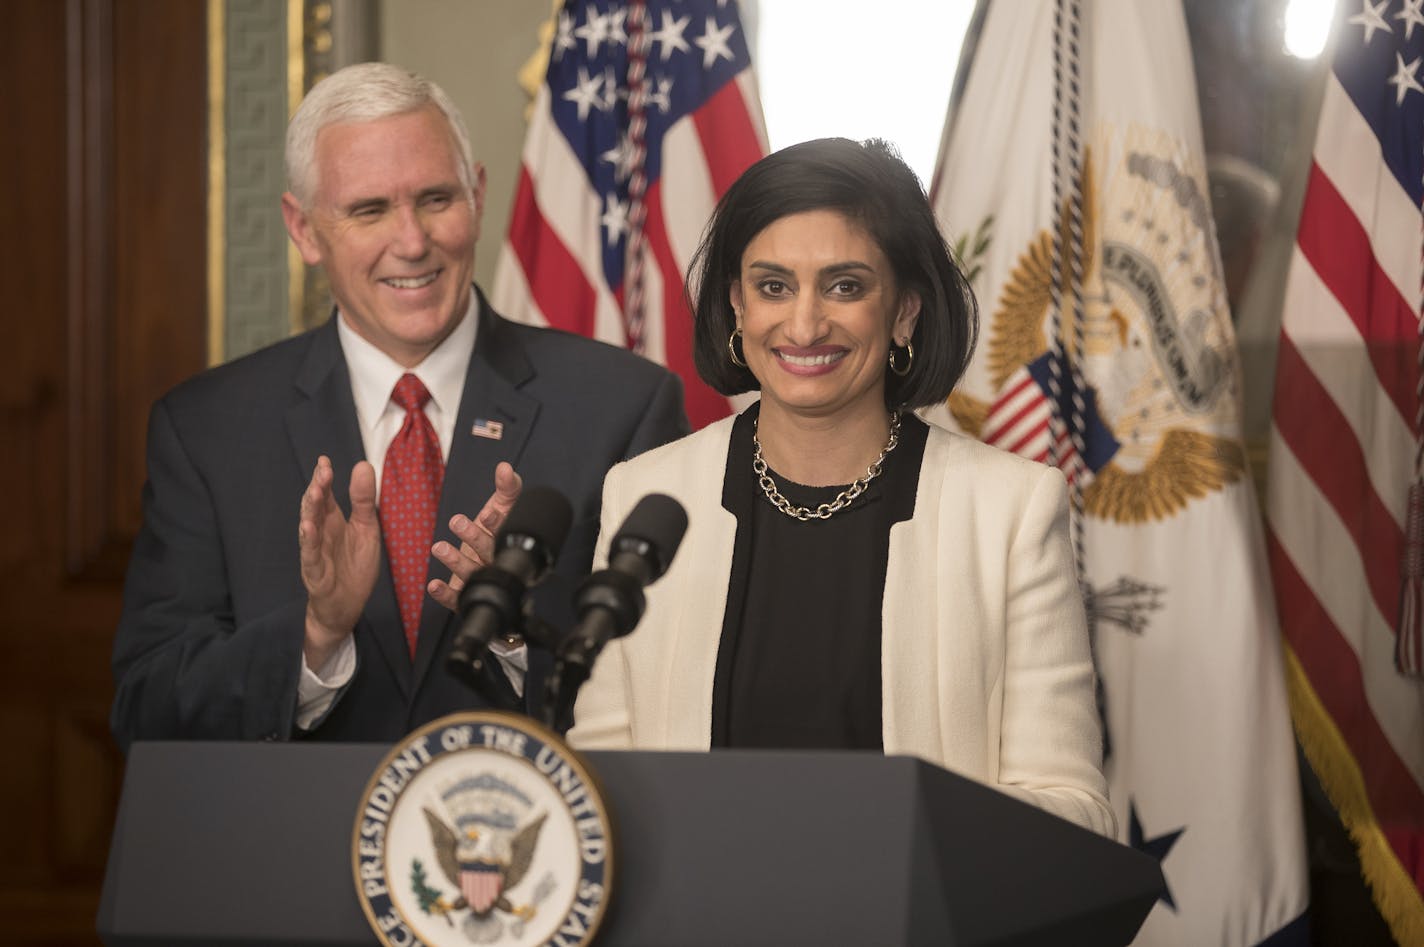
pixel 1307 27
pixel 858 70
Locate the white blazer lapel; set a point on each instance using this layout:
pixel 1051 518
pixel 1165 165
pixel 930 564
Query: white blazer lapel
pixel 910 660
pixel 696 589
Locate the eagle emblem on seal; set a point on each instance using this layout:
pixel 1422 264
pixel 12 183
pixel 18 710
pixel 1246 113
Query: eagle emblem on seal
pixel 485 850
pixel 1158 352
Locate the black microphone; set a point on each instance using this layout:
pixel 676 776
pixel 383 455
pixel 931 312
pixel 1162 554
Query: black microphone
pixel 491 602
pixel 610 602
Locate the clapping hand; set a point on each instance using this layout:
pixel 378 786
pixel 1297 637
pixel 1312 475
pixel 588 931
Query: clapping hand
pixel 476 538
pixel 340 557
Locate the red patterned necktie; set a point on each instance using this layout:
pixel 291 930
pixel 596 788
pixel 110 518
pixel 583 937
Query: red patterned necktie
pixel 410 494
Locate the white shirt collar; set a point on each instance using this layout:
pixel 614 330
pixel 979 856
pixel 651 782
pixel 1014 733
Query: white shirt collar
pixel 374 375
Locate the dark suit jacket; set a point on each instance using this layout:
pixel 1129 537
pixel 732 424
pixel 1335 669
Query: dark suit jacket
pixel 210 642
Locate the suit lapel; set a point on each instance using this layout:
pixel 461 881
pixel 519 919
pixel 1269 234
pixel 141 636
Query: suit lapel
pixel 322 420
pixel 498 367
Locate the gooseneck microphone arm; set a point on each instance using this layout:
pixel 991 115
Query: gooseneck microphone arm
pixel 491 603
pixel 610 602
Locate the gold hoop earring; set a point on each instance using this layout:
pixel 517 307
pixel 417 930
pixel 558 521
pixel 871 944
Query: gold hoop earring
pixel 732 348
pixel 909 361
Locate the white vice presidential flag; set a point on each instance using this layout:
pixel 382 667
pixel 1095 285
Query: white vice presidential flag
pixel 1202 766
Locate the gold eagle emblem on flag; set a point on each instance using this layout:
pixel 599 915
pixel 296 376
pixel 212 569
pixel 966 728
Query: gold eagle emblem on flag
pixel 1158 346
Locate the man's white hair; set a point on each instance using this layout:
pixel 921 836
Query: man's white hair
pixel 364 93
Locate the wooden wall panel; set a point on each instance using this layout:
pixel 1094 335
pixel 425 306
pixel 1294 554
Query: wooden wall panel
pixel 31 266
pixel 88 166
pixel 103 257
pixel 160 108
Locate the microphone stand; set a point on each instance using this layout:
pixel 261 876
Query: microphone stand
pixel 571 670
pixel 609 603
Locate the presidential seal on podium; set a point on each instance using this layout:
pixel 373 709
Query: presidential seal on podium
pixel 482 828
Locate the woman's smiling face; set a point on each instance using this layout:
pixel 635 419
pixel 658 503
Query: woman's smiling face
pixel 818 305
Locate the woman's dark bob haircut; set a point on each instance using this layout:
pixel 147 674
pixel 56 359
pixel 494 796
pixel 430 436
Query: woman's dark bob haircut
pixel 871 185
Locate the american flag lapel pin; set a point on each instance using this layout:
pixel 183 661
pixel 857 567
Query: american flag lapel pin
pixel 494 430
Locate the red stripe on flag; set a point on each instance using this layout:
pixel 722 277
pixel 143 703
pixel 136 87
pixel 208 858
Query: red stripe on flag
pixel 1019 386
pixel 1326 447
pixel 555 280
pixel 703 404
pixel 1407 841
pixel 1028 438
pixel 729 139
pixel 1000 427
pixel 1338 248
pixel 1334 672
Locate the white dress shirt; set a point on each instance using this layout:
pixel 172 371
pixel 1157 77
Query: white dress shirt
pixel 373 376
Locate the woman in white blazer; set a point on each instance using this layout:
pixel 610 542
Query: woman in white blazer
pixel 851 577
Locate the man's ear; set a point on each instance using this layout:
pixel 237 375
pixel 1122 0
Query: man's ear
pixel 299 228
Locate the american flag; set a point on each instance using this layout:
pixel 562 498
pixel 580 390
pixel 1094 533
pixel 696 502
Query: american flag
pixel 1022 420
pixel 647 114
pixel 1344 450
pixel 483 427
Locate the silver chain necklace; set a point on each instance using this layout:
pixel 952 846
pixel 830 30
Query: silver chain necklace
pixel 843 499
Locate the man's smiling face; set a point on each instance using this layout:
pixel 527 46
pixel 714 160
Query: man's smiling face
pixel 394 226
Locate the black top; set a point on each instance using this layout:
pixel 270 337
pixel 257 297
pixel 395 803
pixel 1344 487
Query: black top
pixel 798 666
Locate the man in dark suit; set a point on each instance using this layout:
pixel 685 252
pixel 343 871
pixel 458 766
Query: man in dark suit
pixel 304 502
